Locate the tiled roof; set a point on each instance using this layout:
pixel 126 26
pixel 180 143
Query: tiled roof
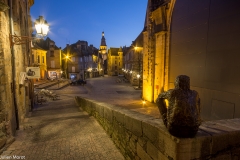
pixel 114 51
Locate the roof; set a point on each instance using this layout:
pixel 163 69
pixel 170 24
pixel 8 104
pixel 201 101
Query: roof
pixel 35 46
pixel 44 44
pixel 75 50
pixel 113 51
pixel 138 42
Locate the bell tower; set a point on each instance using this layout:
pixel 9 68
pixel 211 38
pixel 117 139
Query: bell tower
pixel 103 52
pixel 103 45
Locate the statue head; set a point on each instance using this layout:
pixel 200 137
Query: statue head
pixel 182 82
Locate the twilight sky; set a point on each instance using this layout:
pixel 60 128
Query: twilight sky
pixel 73 20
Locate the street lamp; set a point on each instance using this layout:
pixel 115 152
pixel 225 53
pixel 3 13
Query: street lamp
pixel 138 76
pixel 41 27
pixel 66 62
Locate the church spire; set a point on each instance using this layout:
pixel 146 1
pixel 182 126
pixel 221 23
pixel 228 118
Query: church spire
pixel 103 40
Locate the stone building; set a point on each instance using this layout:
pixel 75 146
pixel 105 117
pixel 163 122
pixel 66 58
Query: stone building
pixel 53 58
pixel 133 59
pixel 39 60
pixel 16 98
pixel 82 61
pixel 199 39
pixel 115 61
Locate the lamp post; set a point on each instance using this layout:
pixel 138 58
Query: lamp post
pixel 138 76
pixel 41 27
pixel 66 59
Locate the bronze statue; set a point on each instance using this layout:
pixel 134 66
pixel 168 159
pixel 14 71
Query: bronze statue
pixel 181 112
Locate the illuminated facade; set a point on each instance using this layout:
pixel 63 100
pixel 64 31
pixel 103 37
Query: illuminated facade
pixel 39 60
pixel 53 58
pixel 115 61
pixel 184 38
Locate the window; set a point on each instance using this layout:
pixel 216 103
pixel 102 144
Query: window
pixel 51 53
pixel 42 59
pixel 119 63
pixel 38 59
pixel 73 69
pixel 115 67
pixel 73 59
pixel 115 62
pixel 52 64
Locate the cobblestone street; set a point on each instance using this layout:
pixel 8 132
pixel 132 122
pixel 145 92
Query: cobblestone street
pixel 59 130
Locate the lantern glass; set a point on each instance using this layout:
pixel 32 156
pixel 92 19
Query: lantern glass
pixel 41 26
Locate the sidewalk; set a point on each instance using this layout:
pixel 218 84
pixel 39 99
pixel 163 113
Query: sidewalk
pixel 57 130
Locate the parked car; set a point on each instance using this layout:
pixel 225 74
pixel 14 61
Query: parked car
pixel 81 82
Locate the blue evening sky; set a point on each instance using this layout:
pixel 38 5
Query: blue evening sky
pixel 73 20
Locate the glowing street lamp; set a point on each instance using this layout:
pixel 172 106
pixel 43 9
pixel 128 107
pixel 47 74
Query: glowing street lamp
pixel 41 27
pixel 67 58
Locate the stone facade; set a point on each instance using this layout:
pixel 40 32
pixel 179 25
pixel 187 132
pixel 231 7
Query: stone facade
pixel 184 38
pixel 15 93
pixel 83 61
pixel 39 60
pixel 115 61
pixel 155 51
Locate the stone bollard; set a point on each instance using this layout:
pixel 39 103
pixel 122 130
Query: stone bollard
pixel 180 108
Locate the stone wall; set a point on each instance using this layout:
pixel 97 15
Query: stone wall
pixel 140 136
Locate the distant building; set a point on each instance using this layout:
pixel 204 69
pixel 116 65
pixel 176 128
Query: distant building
pixel 103 53
pixel 53 58
pixel 115 61
pixel 81 62
pixel 133 59
pixel 39 60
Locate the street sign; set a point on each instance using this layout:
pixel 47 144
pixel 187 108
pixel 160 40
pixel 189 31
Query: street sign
pixel 33 72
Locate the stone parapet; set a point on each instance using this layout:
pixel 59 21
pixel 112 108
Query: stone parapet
pixel 141 136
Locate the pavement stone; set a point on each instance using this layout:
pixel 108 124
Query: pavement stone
pixel 59 130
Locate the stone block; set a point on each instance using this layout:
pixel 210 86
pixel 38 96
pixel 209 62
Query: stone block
pixel 119 117
pixel 100 109
pixel 150 131
pixel 154 152
pixel 133 125
pixel 88 105
pixel 193 148
pixel 142 153
pixel 133 143
pixel 223 136
pixel 108 114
